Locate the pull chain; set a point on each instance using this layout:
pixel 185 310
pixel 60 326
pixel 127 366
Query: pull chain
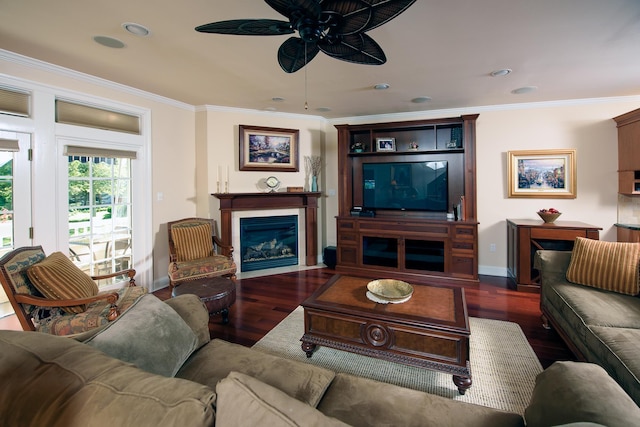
pixel 306 105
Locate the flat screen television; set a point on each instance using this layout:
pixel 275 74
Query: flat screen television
pixel 416 186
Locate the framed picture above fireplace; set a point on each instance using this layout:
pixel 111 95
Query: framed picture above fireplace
pixel 268 149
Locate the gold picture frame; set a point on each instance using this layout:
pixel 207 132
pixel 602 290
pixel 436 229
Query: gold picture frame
pixel 268 149
pixel 543 174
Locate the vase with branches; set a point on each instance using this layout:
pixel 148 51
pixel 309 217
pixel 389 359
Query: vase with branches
pixel 313 165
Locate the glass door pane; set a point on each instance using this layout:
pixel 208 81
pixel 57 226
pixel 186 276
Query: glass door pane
pixel 100 214
pixel 15 199
pixel 380 251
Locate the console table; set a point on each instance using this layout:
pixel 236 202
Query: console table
pixel 230 202
pixel 526 236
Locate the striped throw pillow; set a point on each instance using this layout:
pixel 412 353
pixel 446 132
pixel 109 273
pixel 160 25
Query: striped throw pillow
pixel 192 242
pixel 612 266
pixel 57 277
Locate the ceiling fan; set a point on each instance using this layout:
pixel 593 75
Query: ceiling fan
pixel 334 27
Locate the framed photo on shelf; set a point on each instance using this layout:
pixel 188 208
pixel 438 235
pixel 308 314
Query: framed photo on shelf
pixel 268 149
pixel 385 144
pixel 543 174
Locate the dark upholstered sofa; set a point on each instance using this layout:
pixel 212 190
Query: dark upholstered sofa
pixel 600 326
pixel 175 376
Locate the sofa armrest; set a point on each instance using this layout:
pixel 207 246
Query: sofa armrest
pixel 552 261
pixel 573 392
pixel 194 313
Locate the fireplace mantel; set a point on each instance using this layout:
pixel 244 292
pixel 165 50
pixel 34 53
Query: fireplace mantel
pixel 230 202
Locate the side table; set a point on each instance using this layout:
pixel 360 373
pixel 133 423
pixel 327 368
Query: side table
pixel 526 236
pixel 217 294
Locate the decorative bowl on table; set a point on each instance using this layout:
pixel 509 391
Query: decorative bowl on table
pixel 390 290
pixel 549 215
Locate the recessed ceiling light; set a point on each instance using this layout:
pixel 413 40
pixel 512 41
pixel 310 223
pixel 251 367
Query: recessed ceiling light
pixel 109 42
pixel 136 29
pixel 323 109
pixel 524 89
pixel 502 72
pixel 421 99
pixel 381 86
pixel 277 99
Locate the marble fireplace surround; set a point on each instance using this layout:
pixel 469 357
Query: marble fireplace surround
pixel 307 201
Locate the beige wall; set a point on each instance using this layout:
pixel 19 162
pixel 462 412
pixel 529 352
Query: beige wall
pixel 188 147
pixel 223 151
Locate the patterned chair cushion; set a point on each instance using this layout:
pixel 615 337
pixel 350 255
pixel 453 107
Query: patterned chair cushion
pixel 57 277
pixel 93 318
pixel 17 272
pixel 218 265
pixel 611 266
pixel 192 241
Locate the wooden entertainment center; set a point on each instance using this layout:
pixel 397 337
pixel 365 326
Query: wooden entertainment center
pixel 419 246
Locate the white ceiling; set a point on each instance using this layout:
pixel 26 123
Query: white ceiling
pixel 443 49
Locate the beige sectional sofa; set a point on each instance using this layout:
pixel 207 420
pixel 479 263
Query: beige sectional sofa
pixel 600 324
pixel 56 381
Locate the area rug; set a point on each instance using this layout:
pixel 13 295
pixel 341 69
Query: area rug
pixel 503 364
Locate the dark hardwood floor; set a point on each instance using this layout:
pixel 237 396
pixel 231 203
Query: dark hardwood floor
pixel 263 302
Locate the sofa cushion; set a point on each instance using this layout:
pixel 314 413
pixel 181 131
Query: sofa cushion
pixel 364 402
pixel 57 277
pixel 245 401
pixel 192 242
pixel 617 350
pixel 612 266
pixel 571 392
pixel 194 313
pixel 55 381
pixel 213 362
pixel 151 335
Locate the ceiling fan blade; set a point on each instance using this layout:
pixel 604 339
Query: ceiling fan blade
pixel 358 48
pixel 364 15
pixel 310 8
pixel 291 55
pixel 248 27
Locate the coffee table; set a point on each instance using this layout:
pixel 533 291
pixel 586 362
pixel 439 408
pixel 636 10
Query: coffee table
pixel 431 330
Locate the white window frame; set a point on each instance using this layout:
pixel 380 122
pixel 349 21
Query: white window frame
pixel 49 188
pixel 96 138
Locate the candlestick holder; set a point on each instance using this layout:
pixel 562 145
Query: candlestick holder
pixel 218 187
pixel 226 187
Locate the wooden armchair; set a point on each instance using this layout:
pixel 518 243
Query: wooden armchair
pixel 52 295
pixel 196 252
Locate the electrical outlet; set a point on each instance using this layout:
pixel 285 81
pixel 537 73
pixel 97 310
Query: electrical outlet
pixel 492 247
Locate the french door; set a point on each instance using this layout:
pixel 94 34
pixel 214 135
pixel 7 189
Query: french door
pixel 15 197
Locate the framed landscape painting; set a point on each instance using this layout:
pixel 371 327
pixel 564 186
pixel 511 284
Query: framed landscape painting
pixel 542 174
pixel 268 149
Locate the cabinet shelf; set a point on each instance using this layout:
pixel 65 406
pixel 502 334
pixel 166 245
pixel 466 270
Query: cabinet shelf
pixel 409 152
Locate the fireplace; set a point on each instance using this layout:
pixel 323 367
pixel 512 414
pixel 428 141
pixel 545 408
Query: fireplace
pixel 268 242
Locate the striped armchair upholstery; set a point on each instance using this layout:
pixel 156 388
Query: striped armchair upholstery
pixel 196 252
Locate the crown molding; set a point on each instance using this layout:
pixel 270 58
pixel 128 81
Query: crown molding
pixel 36 64
pixel 453 112
pixel 25 61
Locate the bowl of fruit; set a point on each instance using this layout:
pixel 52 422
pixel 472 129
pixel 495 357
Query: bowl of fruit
pixel 549 215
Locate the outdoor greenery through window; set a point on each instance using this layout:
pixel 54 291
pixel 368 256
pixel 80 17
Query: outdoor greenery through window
pixel 100 214
pixel 6 201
